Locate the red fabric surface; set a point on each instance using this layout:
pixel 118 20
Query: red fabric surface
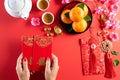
pixel 66 46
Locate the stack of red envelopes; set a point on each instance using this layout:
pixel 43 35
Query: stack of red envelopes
pixel 36 49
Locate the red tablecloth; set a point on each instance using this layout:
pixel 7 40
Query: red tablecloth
pixel 66 46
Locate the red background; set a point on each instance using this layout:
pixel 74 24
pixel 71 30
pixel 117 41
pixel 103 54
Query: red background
pixel 66 46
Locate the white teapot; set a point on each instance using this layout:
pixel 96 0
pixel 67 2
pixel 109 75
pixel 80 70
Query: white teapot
pixel 18 8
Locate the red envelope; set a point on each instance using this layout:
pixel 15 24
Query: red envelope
pixel 41 50
pixel 36 49
pixel 27 49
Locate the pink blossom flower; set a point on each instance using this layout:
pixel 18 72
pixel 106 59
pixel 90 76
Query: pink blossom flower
pixel 115 25
pixel 93 46
pixel 114 1
pixel 105 10
pixel 98 10
pixel 111 15
pixel 114 8
pixel 35 21
pixel 107 24
pixel 65 1
pixel 113 36
pixel 87 0
pixel 104 1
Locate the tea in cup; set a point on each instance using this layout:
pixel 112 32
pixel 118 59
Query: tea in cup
pixel 43 5
pixel 47 18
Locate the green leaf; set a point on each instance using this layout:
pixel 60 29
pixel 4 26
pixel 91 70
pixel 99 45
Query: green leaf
pixel 87 18
pixel 81 5
pixel 116 62
pixel 70 29
pixel 67 14
pixel 115 53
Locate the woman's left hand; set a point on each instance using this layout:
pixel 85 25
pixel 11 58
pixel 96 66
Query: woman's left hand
pixel 22 68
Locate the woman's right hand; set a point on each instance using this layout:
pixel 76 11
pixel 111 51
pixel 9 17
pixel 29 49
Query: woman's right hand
pixel 51 72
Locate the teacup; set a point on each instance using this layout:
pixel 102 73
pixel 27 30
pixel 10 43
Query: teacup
pixel 43 5
pixel 47 18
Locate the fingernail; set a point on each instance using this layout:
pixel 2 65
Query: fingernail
pixel 48 58
pixel 25 59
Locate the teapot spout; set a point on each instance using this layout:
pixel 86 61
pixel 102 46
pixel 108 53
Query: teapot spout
pixel 25 16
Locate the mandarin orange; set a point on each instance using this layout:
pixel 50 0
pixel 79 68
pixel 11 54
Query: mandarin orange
pixel 76 14
pixel 65 17
pixel 79 26
pixel 84 7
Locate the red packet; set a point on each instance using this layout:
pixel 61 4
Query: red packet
pixel 97 62
pixel 85 55
pixel 27 49
pixel 92 57
pixel 41 50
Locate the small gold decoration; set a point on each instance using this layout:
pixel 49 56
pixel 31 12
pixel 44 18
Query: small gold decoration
pixel 99 33
pixel 50 34
pixel 47 29
pixel 41 61
pixel 106 46
pixel 57 30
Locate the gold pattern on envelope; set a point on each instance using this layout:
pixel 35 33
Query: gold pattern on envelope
pixel 28 40
pixel 43 41
pixel 30 60
pixel 41 61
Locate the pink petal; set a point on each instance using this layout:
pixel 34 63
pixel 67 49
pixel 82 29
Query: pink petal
pixel 65 1
pixel 35 21
pixel 114 8
pixel 98 10
pixel 104 1
pixel 115 25
pixel 108 24
pixel 105 10
pixel 113 36
pixel 114 1
pixel 111 15
pixel 87 0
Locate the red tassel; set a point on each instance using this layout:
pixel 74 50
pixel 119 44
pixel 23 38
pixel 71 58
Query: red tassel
pixel 92 63
pixel 109 67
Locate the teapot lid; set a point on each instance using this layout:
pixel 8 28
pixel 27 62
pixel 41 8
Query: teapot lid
pixel 16 5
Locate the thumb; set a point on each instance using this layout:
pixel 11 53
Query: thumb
pixel 47 68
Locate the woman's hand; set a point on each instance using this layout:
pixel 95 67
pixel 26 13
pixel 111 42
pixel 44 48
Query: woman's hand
pixel 22 68
pixel 51 72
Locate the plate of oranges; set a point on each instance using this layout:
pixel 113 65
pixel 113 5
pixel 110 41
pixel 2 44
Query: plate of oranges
pixel 76 17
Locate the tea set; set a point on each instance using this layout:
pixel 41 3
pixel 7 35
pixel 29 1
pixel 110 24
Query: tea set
pixel 22 8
